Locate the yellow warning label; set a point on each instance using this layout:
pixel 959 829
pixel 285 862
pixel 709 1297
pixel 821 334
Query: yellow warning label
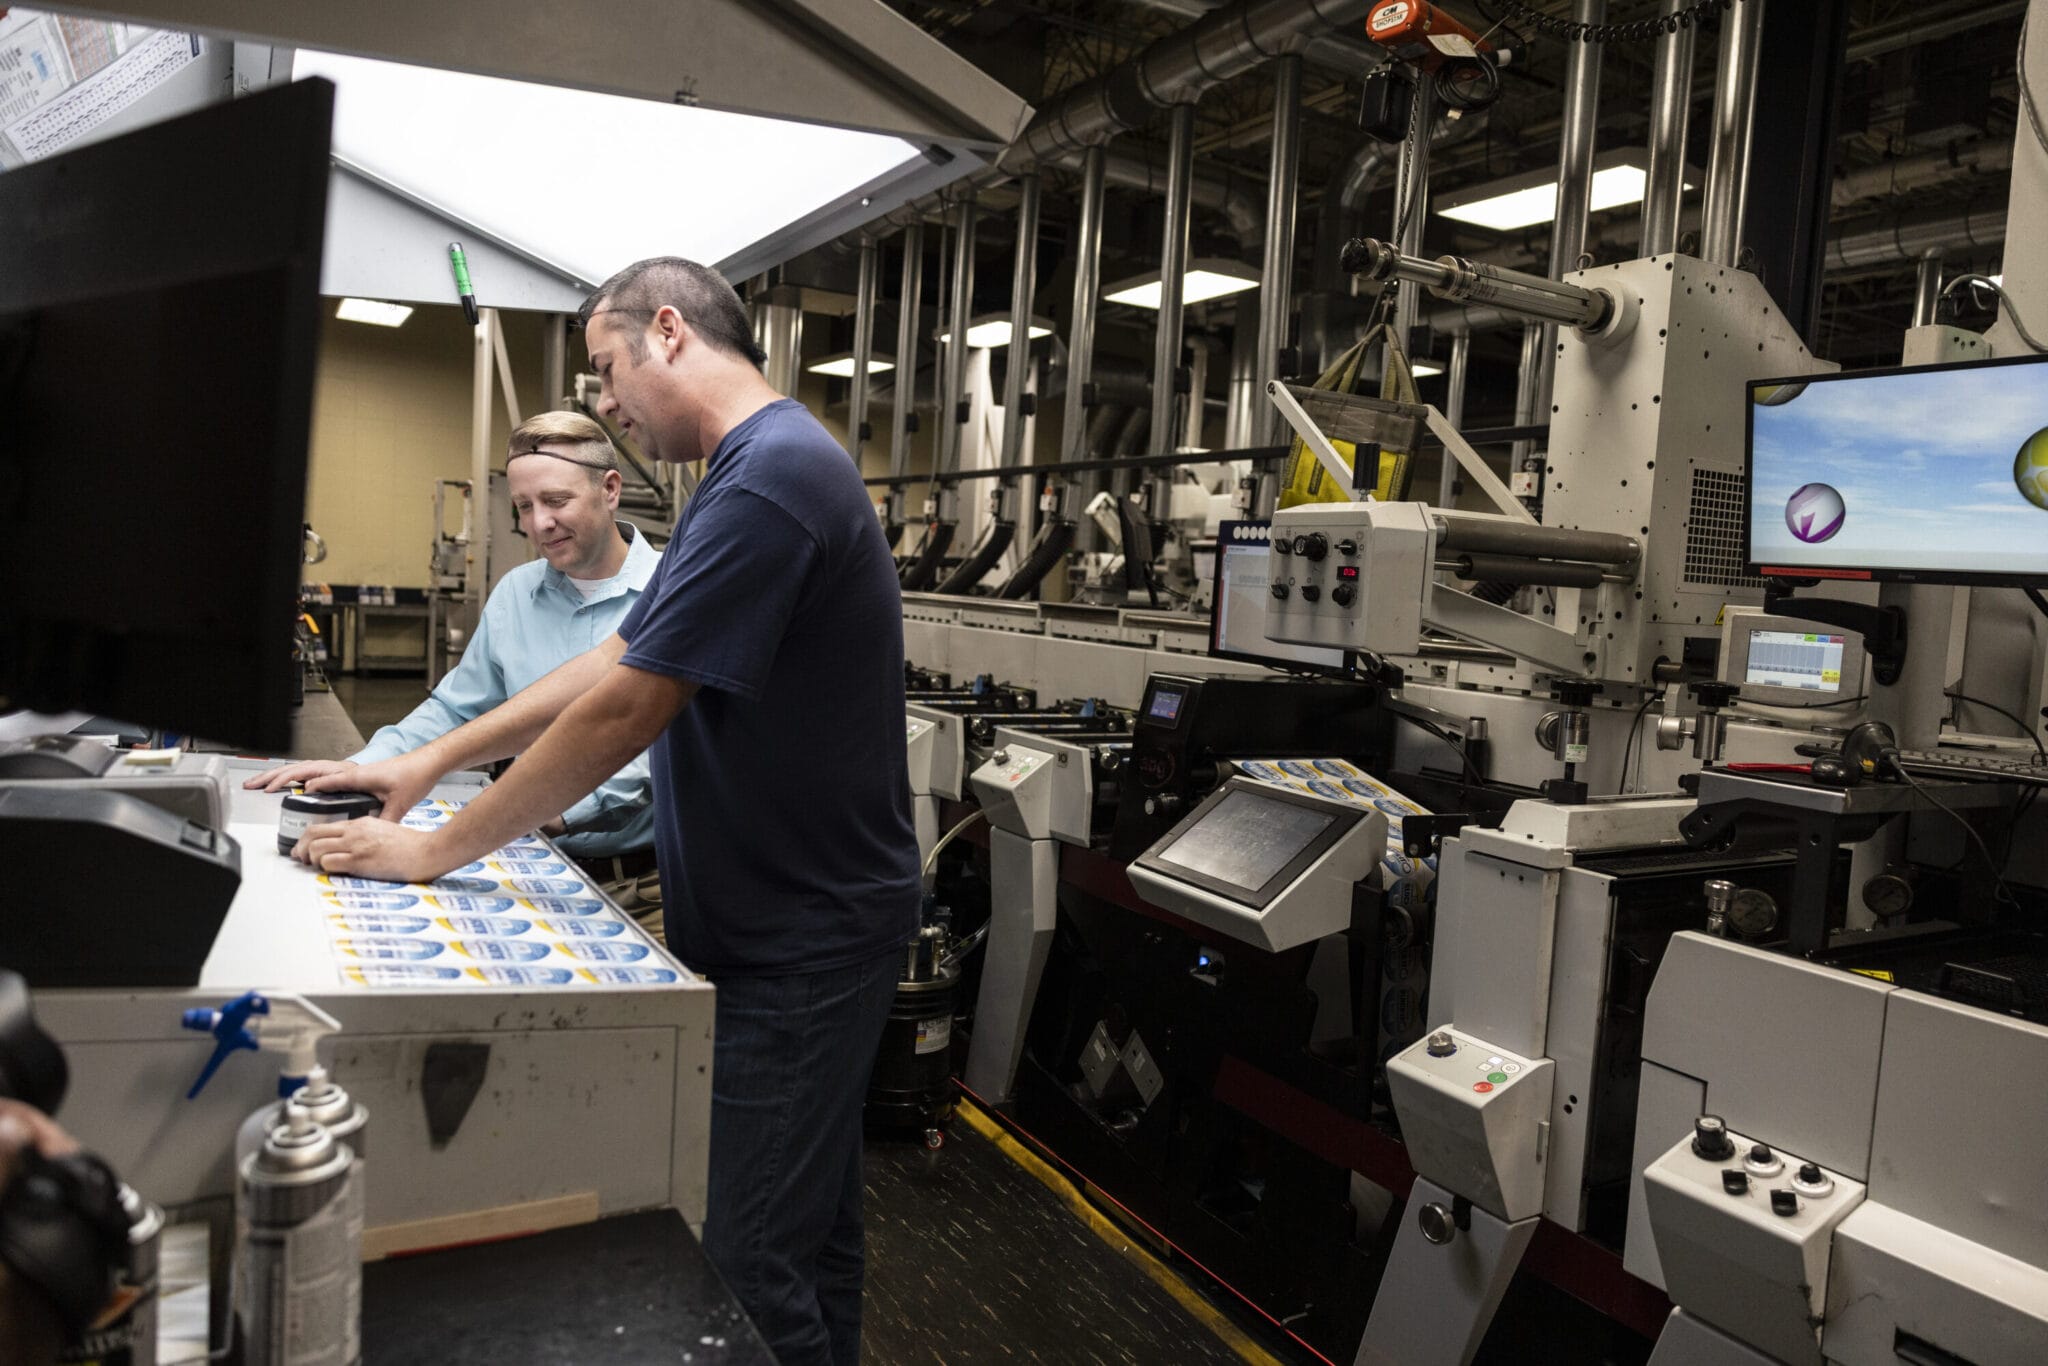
pixel 1881 974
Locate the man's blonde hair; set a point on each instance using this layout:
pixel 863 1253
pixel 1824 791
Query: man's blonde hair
pixel 573 436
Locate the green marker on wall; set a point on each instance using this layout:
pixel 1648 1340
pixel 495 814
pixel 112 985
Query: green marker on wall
pixel 462 286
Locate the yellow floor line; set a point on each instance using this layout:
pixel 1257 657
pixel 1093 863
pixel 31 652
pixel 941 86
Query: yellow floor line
pixel 1112 1233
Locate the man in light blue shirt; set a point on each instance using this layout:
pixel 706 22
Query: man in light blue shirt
pixel 565 483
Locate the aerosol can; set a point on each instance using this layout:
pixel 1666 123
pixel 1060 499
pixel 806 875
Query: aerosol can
pixel 298 1263
pixel 125 1334
pixel 292 1027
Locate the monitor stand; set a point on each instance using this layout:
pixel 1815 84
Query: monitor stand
pixel 1911 702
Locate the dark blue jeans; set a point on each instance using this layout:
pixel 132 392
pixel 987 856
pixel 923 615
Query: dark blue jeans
pixel 782 1220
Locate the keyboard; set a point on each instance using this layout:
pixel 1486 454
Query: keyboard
pixel 1980 765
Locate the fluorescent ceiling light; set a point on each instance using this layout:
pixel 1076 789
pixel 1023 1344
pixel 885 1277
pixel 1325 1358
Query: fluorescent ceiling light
pixel 1619 179
pixel 993 329
pixel 488 152
pixel 1203 281
pixel 1423 369
pixel 841 367
pixel 370 311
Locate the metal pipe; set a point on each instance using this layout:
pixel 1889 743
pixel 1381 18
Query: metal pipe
pixel 1454 413
pixel 1087 292
pixel 1023 286
pixel 1474 534
pixel 1875 42
pixel 863 348
pixel 1574 175
pixel 1220 46
pixel 1411 205
pixel 1450 277
pixel 1927 287
pixel 477 563
pixel 1244 412
pixel 1224 194
pixel 955 390
pixel 1276 278
pixel 1734 124
pixel 1173 258
pixel 1334 51
pixel 1906 238
pixel 1196 408
pixel 1670 102
pixel 1526 371
pixel 908 309
pixel 779 327
pixel 1518 569
pixel 1986 158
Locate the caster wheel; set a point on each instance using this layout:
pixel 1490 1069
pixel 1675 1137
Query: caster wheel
pixel 934 1139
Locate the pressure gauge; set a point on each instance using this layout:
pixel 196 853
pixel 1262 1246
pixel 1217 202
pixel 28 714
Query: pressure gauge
pixel 1753 914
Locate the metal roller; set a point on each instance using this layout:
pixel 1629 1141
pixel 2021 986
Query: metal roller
pixel 1519 569
pixel 1467 535
pixel 1450 277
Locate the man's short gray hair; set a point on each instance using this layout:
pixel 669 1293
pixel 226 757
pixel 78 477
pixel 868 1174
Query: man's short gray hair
pixel 707 303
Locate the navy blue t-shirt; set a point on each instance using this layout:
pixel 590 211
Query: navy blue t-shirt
pixel 782 792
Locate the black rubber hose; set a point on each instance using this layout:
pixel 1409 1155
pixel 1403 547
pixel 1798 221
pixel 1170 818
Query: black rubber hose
pixel 976 566
pixel 918 577
pixel 1055 538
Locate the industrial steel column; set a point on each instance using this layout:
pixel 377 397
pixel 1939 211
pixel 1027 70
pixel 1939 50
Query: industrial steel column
pixel 1173 259
pixel 1454 413
pixel 1670 100
pixel 477 569
pixel 1276 279
pixel 955 387
pixel 1087 285
pixel 554 360
pixel 1411 202
pixel 1734 127
pixel 1023 286
pixel 907 315
pixel 863 348
pixel 1927 287
pixel 1574 177
pixel 780 332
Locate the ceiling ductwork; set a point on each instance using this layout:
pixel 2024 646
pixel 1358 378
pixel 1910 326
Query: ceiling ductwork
pixel 1220 46
pixel 1332 51
pixel 1990 157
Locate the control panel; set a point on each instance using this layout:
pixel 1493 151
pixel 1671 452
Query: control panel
pixel 1476 1119
pixel 1743 1234
pixel 1038 787
pixel 1349 575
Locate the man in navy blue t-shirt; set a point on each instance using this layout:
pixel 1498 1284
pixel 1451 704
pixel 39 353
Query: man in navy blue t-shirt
pixel 764 667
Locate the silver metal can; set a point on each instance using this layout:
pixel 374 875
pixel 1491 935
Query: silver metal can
pixel 125 1335
pixel 299 1266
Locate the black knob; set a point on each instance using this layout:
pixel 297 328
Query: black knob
pixel 1710 1138
pixel 1347 546
pixel 1784 1202
pixel 1761 1155
pixel 1283 545
pixel 1342 594
pixel 1735 1181
pixel 1810 1174
pixel 1314 545
pixel 1309 592
pixel 1279 590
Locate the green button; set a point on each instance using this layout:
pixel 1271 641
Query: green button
pixel 1496 1077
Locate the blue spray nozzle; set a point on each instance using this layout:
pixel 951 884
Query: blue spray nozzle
pixel 229 1026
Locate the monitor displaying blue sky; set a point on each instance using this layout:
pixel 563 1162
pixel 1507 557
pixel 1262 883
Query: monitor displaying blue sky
pixel 1924 466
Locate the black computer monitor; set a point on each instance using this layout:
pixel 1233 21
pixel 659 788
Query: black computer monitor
pixel 1237 614
pixel 1930 474
pixel 159 322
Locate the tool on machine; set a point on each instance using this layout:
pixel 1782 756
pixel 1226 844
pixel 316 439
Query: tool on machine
pixel 303 810
pixel 68 1226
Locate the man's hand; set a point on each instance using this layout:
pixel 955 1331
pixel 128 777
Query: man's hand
pixel 373 848
pixel 278 779
pixel 400 781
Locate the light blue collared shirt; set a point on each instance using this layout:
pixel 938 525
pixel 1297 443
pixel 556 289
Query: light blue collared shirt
pixel 534 623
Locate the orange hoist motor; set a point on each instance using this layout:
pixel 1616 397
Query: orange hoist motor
pixel 1422 34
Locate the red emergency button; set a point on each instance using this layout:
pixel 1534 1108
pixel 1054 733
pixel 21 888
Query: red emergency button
pixel 1482 1086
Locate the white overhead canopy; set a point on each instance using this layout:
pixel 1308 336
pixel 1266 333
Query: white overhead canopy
pixel 735 132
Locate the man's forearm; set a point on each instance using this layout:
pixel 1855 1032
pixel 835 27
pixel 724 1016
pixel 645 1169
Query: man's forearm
pixel 596 735
pixel 510 728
